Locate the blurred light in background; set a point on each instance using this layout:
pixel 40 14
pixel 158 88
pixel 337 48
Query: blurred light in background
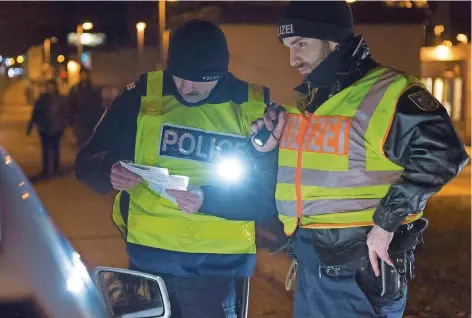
pixel 447 43
pixel 461 38
pixel 438 30
pixel 73 66
pixel 443 52
pixel 12 72
pixel 61 58
pixel 88 39
pixel 9 61
pixel 86 60
pixel 438 89
pixel 20 59
pixel 87 25
pixel 140 26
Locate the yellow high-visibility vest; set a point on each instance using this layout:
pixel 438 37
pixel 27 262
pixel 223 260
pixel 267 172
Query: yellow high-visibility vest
pixel 186 141
pixel 332 168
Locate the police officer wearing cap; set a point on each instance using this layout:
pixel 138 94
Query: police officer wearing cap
pixel 181 119
pixel 352 163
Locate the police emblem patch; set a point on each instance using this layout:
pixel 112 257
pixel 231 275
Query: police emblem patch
pixel 424 100
pixel 130 86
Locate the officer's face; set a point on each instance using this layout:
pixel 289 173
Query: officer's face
pixel 194 92
pixel 307 53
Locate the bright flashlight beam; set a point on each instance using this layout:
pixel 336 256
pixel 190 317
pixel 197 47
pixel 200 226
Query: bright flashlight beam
pixel 230 170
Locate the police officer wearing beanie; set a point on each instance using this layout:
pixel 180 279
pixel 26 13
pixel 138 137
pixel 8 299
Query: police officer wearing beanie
pixel 352 163
pixel 183 118
pixel 378 146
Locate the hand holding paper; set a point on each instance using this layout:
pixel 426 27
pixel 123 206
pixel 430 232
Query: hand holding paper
pixel 158 178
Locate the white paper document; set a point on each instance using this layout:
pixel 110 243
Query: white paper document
pixel 158 178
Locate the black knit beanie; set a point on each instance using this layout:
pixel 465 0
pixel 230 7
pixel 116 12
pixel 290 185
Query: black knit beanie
pixel 324 20
pixel 198 52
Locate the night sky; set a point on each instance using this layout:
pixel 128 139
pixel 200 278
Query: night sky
pixel 23 24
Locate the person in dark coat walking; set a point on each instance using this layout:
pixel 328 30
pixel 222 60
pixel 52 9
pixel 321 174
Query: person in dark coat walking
pixel 86 108
pixel 49 116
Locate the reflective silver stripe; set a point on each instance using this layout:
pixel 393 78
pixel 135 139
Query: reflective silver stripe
pixel 318 207
pixel 356 176
pixel 288 208
pixel 338 179
pixel 361 119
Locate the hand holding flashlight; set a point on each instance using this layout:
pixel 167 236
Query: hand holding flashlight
pixel 266 131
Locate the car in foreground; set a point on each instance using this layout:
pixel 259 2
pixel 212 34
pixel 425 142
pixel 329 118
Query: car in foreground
pixel 42 276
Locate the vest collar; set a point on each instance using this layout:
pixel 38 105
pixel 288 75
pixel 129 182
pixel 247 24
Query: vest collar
pixel 355 61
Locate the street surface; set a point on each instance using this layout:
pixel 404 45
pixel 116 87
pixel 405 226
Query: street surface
pixel 441 288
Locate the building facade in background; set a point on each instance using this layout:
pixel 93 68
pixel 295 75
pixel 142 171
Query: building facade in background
pixel 257 55
pixel 445 70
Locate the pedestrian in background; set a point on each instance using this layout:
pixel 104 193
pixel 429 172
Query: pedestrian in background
pixel 50 118
pixel 86 108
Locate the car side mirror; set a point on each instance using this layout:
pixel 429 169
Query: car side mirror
pixel 132 294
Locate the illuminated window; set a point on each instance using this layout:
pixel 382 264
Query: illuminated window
pixel 457 99
pixel 447 95
pixel 438 89
pixel 407 4
pixel 428 82
pixel 438 92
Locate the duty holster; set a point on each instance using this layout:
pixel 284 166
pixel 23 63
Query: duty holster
pixel 400 251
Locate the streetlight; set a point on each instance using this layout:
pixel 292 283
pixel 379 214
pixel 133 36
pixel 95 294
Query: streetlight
pixel 87 26
pixel 462 38
pixel 140 27
pixel 162 28
pixel 80 30
pixel 47 48
pixel 60 58
pixel 438 30
pixel 47 54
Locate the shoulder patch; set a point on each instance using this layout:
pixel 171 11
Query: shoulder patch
pixel 424 100
pixel 131 86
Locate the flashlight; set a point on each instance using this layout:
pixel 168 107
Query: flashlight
pixel 263 134
pixel 230 169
